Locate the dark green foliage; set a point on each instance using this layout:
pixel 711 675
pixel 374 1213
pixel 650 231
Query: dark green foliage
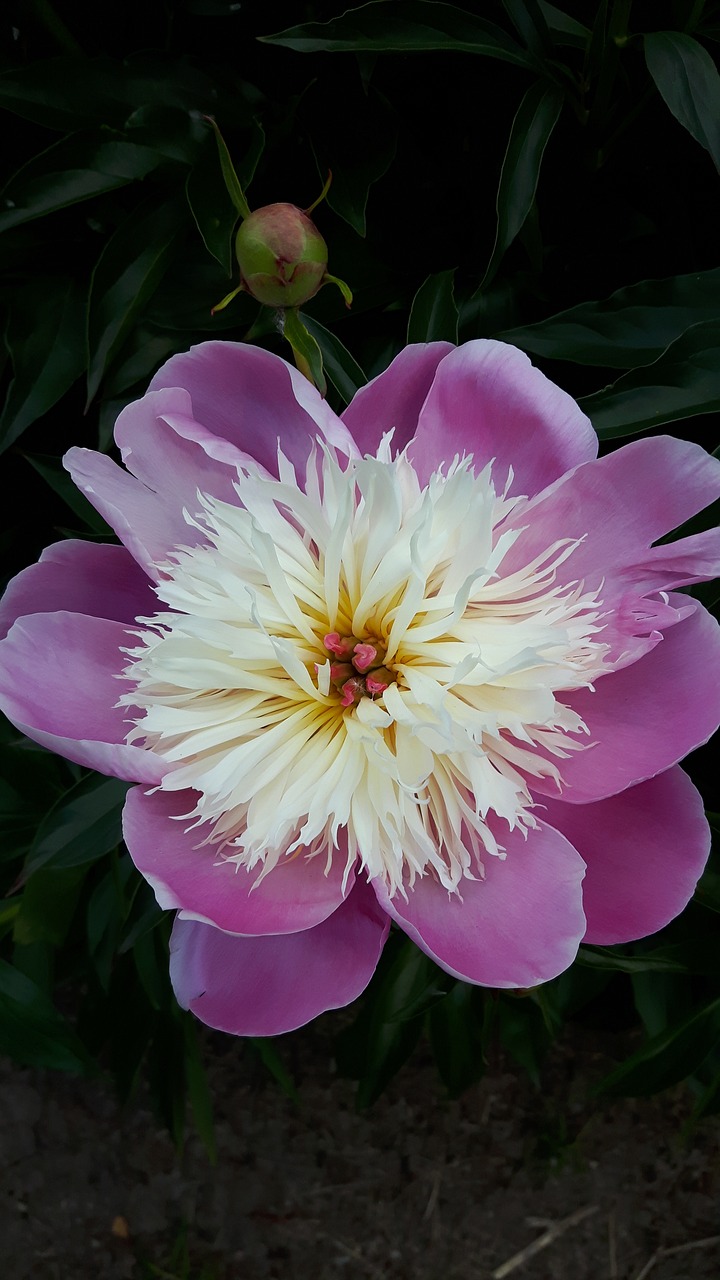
pixel 564 159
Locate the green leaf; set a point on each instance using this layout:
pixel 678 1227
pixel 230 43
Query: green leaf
pixel 531 25
pixel 389 1025
pixel 45 341
pixel 198 1088
pixel 273 1063
pixel 170 131
pixel 434 314
pixel 356 168
pixel 403 27
pixel 308 355
pixel 54 474
pixel 534 122
pixel 458 1037
pixel 77 168
pixel 127 273
pixel 232 182
pixel 67 94
pixel 565 30
pixel 667 1058
pixel 630 328
pixel 684 381
pixel 524 1033
pixel 688 80
pixel 81 827
pixel 342 369
pixel 211 206
pixel 48 905
pixel 31 1029
pixel 210 202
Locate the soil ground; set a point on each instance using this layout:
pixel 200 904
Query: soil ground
pixel 416 1188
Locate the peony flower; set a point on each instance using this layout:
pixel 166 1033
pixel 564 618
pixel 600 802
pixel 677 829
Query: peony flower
pixel 424 664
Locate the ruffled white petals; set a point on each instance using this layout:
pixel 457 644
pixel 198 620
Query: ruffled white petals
pixel 342 665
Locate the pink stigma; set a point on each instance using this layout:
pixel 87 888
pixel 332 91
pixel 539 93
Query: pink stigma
pixel 365 655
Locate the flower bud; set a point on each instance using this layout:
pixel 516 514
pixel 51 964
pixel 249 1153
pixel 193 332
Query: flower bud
pixel 282 256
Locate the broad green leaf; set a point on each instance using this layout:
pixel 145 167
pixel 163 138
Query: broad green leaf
pixel 170 131
pixel 77 168
pixel 565 30
pixel 342 369
pixel 46 343
pixel 127 273
pixel 308 355
pixel 144 351
pixel 534 122
pixel 667 1058
pixel 212 208
pixel 31 1029
pixel 355 168
pixel 54 474
pixel 688 80
pixel 684 381
pixel 403 27
pixel 81 827
pixel 630 328
pixel 434 314
pixel 68 94
pixel 47 905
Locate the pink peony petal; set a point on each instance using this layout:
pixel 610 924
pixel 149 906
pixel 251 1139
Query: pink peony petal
pixel 206 887
pixel 646 717
pixel 58 684
pixel 520 926
pixel 254 400
pixel 393 400
pixel 619 505
pixel 95 578
pixel 265 986
pixel 173 455
pixel 645 850
pixel 487 399
pixel 145 524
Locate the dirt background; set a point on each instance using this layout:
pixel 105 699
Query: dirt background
pixel 417 1188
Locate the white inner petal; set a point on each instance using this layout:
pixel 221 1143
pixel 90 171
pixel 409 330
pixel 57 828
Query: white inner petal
pixel 239 691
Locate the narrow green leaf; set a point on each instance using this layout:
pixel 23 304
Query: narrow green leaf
pixel 31 1029
pixel 54 474
pixel 688 80
pixel 534 122
pixel 565 30
pixel 128 271
pixel 211 205
pixel 342 369
pixel 403 27
pixel 667 1058
pixel 434 314
pixel 81 827
pixel 630 328
pixel 308 355
pixel 198 1089
pixel 457 1039
pixel 531 25
pixel 77 168
pixel 273 1063
pixel 46 343
pixel 684 381
pixel 232 182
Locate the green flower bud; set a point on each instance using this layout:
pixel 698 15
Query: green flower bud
pixel 282 256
